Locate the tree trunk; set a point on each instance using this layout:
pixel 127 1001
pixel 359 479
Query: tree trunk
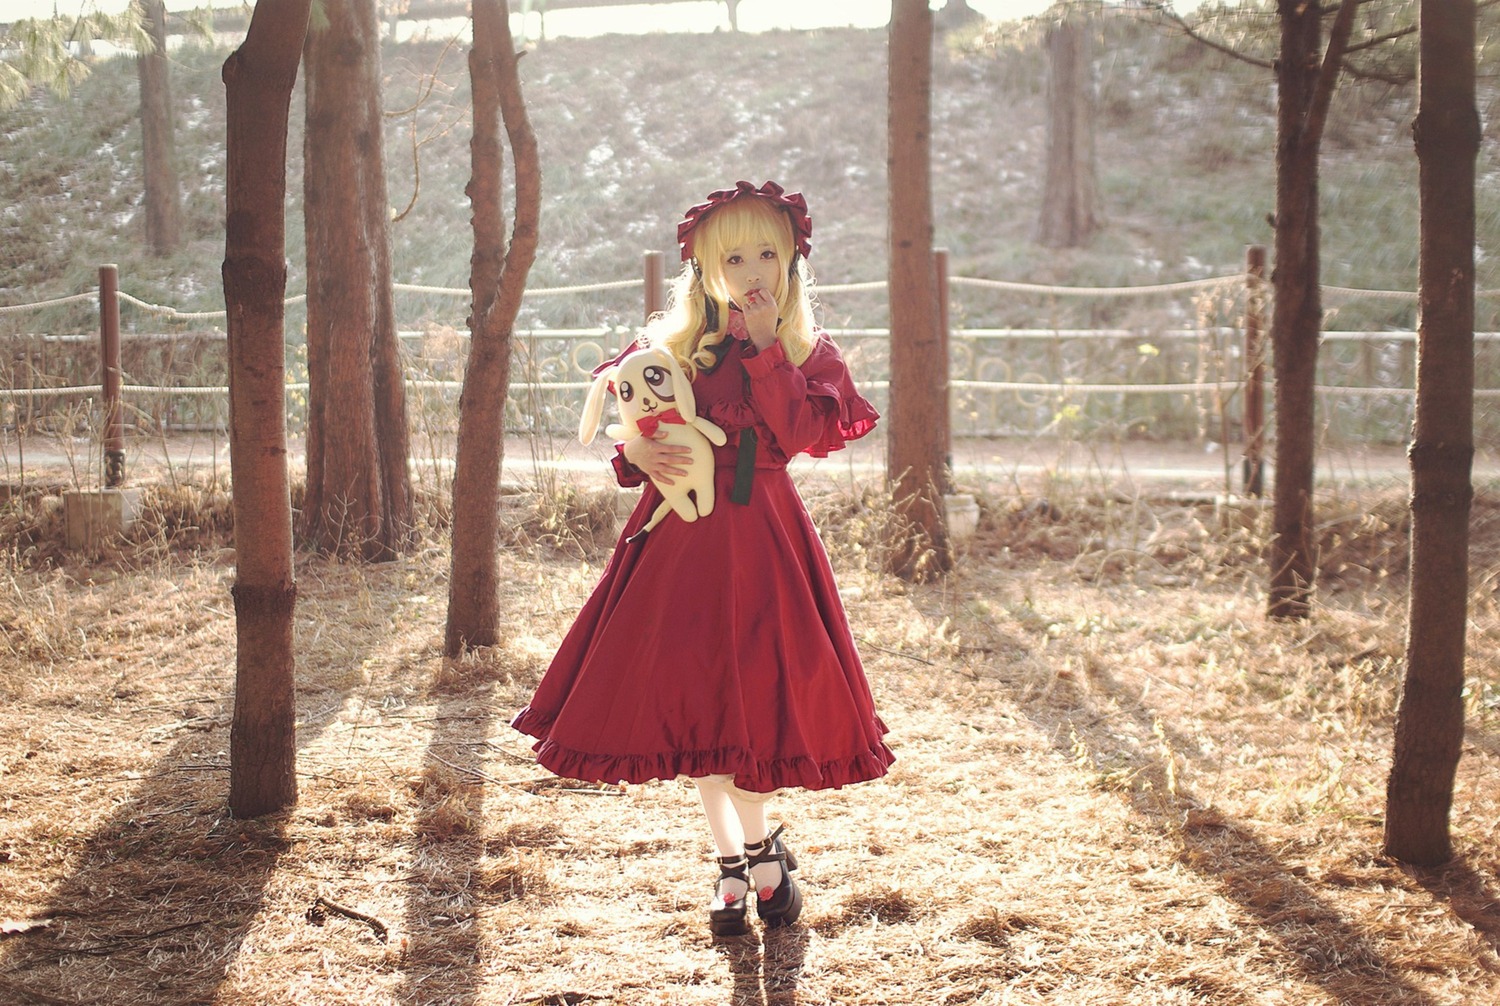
pixel 258 80
pixel 497 279
pixel 358 486
pixel 1430 720
pixel 158 150
pixel 1304 89
pixel 917 437
pixel 1071 197
pixel 1297 314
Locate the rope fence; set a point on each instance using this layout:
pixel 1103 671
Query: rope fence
pixel 1215 367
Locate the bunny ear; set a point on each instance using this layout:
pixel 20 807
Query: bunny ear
pixel 593 406
pixel 682 388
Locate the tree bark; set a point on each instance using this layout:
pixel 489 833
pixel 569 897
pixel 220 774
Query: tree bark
pixel 1430 719
pixel 1304 89
pixel 258 81
pixel 917 438
pixel 1071 197
pixel 358 484
pixel 497 280
pixel 158 148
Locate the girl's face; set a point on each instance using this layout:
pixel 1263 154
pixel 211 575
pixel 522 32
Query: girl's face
pixel 746 249
pixel 752 270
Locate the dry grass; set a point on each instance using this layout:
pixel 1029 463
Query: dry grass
pixel 1117 783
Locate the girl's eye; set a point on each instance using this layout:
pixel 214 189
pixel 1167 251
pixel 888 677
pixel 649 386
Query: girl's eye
pixel 735 260
pixel 769 253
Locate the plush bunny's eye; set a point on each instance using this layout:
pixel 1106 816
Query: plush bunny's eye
pixel 626 392
pixel 660 380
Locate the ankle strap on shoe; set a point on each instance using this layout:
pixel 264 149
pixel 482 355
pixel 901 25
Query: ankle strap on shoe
pixel 768 851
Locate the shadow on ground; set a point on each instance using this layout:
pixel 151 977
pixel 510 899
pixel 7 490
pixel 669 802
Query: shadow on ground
pixel 160 897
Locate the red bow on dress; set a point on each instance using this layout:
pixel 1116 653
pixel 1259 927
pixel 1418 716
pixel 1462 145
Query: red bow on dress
pixel 648 424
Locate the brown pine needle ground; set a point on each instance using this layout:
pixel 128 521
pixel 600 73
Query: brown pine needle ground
pixel 1117 783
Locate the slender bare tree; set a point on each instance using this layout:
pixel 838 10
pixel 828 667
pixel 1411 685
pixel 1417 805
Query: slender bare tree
pixel 917 427
pixel 497 279
pixel 1070 196
pixel 358 484
pixel 1430 720
pixel 1305 79
pixel 258 81
pixel 158 147
pixel 1306 75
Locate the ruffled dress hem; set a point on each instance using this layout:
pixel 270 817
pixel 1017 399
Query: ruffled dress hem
pixel 750 775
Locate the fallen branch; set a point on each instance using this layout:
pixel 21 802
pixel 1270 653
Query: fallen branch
pixel 572 786
pixel 866 645
pixel 318 914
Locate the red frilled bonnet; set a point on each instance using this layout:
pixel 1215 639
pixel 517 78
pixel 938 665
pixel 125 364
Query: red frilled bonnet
pixel 792 202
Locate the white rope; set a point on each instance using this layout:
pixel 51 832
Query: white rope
pixel 170 312
pixel 619 284
pixel 1336 389
pixel 16 308
pixel 446 291
pixel 424 385
pixel 1098 291
pixel 1088 389
pixel 625 284
pixel 176 315
pixel 1329 389
pixel 851 287
pixel 1342 291
pixel 13 393
pixel 454 291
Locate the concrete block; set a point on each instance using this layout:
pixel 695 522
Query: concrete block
pixel 93 516
pixel 962 511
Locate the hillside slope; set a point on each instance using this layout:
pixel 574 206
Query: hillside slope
pixel 633 129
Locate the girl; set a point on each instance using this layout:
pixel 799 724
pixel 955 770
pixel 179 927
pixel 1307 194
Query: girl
pixel 719 649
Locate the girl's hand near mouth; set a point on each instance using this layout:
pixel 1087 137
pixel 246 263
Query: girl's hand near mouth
pixel 760 317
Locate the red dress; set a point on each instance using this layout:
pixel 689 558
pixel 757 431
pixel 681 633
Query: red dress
pixel 721 646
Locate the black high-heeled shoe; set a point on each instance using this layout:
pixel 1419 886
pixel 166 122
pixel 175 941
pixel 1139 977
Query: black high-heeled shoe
pixel 784 906
pixel 726 915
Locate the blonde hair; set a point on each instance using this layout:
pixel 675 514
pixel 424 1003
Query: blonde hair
pixel 683 328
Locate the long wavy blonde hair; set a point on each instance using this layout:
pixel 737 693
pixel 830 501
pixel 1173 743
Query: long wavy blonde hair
pixel 684 329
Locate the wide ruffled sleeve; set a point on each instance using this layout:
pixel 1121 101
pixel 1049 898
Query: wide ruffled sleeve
pixel 814 408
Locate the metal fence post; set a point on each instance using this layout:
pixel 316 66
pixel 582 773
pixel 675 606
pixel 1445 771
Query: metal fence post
pixel 109 365
pixel 1255 371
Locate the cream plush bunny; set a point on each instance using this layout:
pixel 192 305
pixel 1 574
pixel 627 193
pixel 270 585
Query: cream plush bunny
pixel 654 394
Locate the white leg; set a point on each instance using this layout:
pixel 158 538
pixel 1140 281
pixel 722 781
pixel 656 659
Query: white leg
pixel 751 810
pixel 723 819
pixel 729 836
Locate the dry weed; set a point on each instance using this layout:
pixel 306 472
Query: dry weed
pixel 1117 783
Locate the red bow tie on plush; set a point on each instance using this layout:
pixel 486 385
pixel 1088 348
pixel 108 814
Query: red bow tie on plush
pixel 648 424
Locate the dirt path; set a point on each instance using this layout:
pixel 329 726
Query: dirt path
pixel 1116 465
